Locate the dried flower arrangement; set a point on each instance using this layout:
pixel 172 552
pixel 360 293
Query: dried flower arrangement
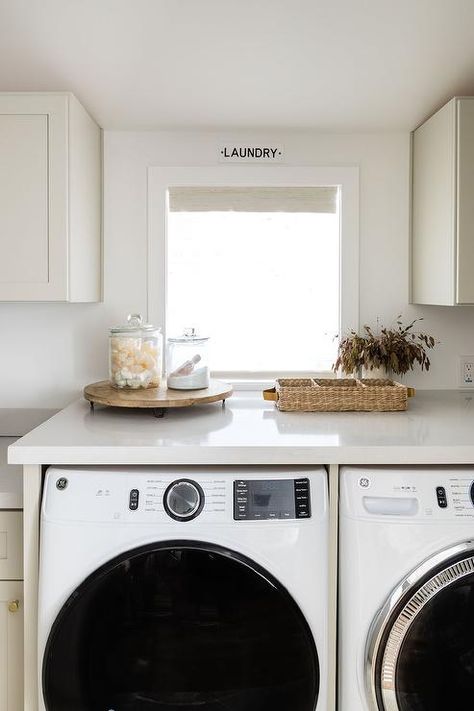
pixel 397 350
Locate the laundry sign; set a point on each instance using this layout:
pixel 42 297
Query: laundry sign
pixel 250 153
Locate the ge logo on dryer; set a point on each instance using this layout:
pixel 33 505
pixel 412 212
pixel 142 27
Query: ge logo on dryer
pixel 364 482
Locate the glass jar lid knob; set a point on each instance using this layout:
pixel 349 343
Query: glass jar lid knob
pixel 134 320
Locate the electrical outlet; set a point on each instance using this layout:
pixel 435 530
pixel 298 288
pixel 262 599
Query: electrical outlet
pixel 466 371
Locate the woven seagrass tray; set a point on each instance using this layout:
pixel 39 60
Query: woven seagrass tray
pixel 331 395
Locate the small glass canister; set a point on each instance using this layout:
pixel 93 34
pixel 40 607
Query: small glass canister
pixel 135 354
pixel 188 364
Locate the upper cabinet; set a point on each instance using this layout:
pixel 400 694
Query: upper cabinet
pixel 442 219
pixel 50 199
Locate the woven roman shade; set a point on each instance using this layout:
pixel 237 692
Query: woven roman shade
pixel 253 199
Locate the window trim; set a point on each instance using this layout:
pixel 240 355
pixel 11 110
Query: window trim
pixel 161 178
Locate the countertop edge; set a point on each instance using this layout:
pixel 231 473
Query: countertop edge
pixel 254 455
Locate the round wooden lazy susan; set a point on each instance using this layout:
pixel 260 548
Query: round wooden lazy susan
pixel 156 399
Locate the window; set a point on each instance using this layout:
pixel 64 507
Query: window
pixel 265 270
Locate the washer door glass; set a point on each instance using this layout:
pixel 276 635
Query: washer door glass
pixel 180 627
pixel 427 660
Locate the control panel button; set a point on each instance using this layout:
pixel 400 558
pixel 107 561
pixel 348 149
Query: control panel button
pixel 441 496
pixel 241 500
pixel 133 500
pixel 302 499
pixel 183 500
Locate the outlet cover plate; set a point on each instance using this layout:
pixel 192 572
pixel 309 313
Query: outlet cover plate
pixel 466 372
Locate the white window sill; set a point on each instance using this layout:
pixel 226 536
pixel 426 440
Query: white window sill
pixel 256 383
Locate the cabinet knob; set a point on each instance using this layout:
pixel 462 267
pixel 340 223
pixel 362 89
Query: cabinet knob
pixel 13 606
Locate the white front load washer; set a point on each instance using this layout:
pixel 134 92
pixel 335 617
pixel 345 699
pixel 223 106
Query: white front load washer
pixel 183 589
pixel 406 589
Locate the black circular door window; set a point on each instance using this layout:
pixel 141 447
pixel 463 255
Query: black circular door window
pixel 426 659
pixel 180 627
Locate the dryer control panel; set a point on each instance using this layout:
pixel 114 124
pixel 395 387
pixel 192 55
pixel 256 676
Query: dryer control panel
pixel 442 493
pixel 264 499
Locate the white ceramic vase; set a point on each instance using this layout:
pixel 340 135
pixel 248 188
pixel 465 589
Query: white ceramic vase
pixel 375 373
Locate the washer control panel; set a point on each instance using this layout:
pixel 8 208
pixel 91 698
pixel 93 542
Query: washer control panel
pixel 265 499
pixel 184 496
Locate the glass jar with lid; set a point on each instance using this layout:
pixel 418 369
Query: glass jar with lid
pixel 188 364
pixel 135 354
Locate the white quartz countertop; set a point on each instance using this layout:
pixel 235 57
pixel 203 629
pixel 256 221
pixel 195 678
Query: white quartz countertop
pixel 11 481
pixel 17 421
pixel 437 428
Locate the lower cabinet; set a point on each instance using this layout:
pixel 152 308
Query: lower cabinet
pixel 11 610
pixel 11 645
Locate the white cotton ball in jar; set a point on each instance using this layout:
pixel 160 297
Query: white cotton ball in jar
pixel 135 354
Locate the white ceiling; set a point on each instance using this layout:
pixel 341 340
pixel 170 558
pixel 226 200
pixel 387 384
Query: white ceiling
pixel 337 65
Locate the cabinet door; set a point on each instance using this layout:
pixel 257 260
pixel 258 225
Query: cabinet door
pixel 11 545
pixel 33 197
pixel 434 209
pixel 465 215
pixel 11 646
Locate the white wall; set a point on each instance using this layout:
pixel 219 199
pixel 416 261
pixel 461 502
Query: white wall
pixel 49 351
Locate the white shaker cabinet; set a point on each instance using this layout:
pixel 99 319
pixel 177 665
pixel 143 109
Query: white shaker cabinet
pixel 11 645
pixel 50 199
pixel 11 583
pixel 442 216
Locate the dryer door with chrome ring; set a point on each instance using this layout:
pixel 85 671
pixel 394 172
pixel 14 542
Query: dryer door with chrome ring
pixel 422 656
pixel 180 626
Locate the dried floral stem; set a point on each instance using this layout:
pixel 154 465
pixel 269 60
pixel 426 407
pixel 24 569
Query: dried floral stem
pixel 397 350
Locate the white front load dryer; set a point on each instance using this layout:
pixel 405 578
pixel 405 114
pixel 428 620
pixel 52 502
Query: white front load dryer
pixel 406 589
pixel 183 589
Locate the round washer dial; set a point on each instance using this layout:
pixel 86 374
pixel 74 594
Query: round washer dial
pixel 183 500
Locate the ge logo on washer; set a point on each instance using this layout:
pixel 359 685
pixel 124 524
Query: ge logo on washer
pixel 364 482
